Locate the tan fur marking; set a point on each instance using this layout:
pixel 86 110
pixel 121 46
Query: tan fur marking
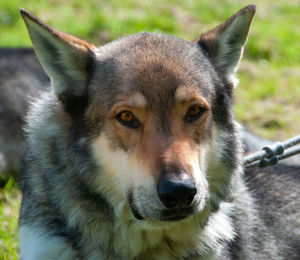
pixel 185 95
pixel 135 101
pixel 150 146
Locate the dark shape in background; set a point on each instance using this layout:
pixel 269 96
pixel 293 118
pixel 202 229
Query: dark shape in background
pixel 21 79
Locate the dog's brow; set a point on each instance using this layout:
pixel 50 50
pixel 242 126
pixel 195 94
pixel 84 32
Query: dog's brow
pixel 187 95
pixel 183 95
pixel 136 100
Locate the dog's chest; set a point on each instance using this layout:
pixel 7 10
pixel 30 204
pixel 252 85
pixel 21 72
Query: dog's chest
pixel 135 242
pixel 189 239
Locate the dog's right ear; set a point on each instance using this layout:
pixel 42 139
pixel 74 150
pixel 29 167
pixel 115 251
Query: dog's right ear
pixel 65 58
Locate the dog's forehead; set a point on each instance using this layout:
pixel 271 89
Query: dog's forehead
pixel 156 66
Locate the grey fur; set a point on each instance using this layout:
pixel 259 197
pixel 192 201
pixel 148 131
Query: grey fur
pixel 70 197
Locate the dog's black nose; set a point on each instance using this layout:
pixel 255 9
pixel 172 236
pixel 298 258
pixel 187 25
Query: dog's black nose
pixel 176 190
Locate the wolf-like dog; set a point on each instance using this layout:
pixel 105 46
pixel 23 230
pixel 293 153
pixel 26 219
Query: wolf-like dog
pixel 135 153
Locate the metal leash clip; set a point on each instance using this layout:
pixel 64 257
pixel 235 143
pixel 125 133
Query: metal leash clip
pixel 272 154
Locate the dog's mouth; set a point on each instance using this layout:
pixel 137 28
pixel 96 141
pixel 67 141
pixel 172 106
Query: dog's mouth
pixel 134 211
pixel 167 215
pixel 176 214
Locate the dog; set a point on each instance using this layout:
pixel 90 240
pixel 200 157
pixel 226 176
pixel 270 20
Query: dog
pixel 134 153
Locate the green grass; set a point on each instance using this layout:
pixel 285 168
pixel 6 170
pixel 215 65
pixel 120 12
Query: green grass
pixel 9 211
pixel 274 35
pixel 267 99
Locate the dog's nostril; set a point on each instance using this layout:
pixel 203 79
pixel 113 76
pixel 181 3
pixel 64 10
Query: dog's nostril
pixel 174 192
pixel 169 201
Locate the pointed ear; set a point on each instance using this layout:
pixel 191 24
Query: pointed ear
pixel 224 44
pixel 65 58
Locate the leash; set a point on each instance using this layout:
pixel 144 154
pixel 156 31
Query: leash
pixel 270 155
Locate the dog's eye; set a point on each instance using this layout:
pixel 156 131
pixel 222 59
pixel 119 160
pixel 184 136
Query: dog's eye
pixel 194 112
pixel 126 118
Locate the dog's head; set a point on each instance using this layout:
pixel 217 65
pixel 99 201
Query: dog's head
pixel 156 109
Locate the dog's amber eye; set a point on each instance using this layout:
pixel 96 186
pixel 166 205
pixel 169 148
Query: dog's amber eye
pixel 127 118
pixel 194 112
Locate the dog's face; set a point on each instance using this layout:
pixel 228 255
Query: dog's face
pixel 156 123
pixel 156 109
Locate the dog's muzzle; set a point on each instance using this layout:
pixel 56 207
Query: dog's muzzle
pixel 176 193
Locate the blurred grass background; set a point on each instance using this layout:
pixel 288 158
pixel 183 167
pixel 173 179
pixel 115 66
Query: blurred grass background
pixel 267 99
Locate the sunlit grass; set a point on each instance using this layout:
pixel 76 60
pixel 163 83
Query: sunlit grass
pixel 9 211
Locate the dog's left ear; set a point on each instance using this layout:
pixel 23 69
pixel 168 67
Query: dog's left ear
pixel 224 44
pixel 65 58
